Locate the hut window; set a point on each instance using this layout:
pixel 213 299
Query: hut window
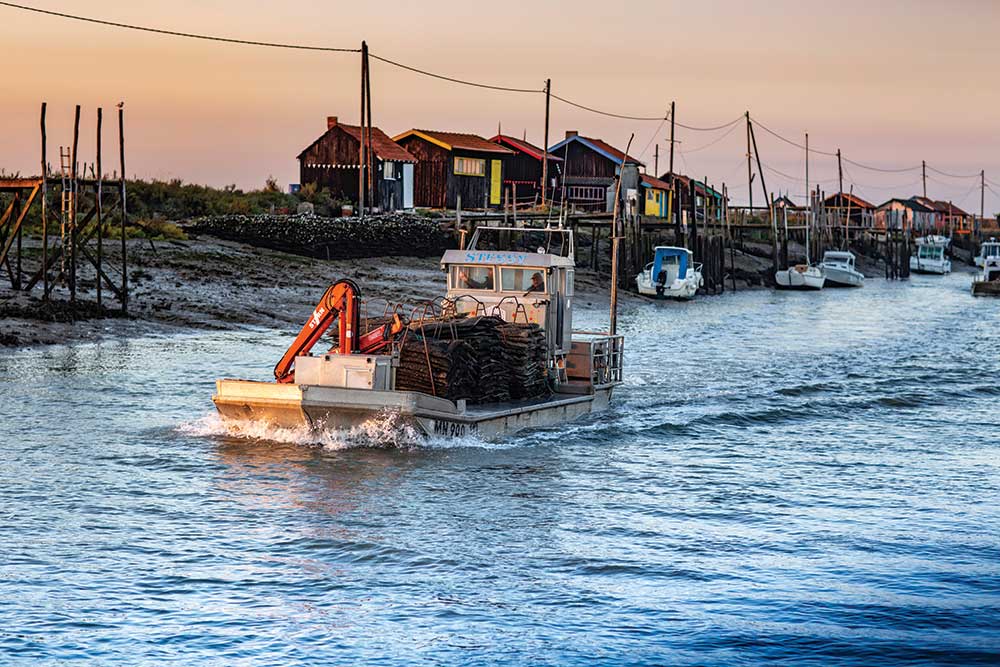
pixel 470 166
pixel 389 171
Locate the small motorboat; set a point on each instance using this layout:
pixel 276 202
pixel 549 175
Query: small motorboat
pixel 987 281
pixel 800 277
pixel 671 275
pixel 987 250
pixel 930 256
pixel 838 267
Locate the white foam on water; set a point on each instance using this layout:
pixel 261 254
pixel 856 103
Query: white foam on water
pixel 386 429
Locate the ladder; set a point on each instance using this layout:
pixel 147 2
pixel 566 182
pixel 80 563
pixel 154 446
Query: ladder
pixel 65 166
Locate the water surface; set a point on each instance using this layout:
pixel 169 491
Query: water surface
pixel 806 478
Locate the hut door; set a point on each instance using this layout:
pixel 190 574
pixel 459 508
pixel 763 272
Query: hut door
pixel 407 185
pixel 496 182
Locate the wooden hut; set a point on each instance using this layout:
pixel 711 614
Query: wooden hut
pixel 332 162
pixel 708 202
pixel 589 169
pixel 656 195
pixel 948 218
pixel 841 204
pixel 451 165
pixel 524 169
pixel 904 214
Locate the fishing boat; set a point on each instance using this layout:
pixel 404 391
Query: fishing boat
pixel 672 274
pixel 930 257
pixel 800 277
pixel 987 250
pixel 987 281
pixel 838 268
pixel 362 377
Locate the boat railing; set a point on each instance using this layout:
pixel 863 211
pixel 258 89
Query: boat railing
pixel 606 357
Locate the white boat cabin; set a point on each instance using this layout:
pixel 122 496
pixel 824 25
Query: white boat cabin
pixel 987 250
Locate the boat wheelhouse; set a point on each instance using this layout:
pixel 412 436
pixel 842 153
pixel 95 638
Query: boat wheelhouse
pixel 987 250
pixel 838 268
pixel 930 256
pixel 987 281
pixel 672 274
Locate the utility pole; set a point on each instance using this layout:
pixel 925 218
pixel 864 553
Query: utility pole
pixel 840 173
pixel 675 203
pixel 749 166
pixel 656 160
pixel 808 191
pixel 923 169
pixel 982 201
pixel 545 145
pixel 361 123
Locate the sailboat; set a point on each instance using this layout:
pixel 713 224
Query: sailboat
pixel 801 276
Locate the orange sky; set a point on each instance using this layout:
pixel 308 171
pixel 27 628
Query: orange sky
pixel 890 83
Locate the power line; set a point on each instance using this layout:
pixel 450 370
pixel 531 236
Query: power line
pixel 454 80
pixel 714 141
pixel 608 113
pixel 652 138
pixel 880 169
pixel 710 129
pixel 944 173
pixel 174 33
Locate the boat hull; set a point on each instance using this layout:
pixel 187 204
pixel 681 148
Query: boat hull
pixel 791 279
pixel 681 290
pixel 336 408
pixel 986 288
pixel 837 277
pixel 930 267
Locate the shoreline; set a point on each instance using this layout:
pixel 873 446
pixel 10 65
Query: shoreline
pixel 206 283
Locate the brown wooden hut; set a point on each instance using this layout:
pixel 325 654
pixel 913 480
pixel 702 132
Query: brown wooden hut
pixel 524 168
pixel 332 162
pixel 452 165
pixel 589 169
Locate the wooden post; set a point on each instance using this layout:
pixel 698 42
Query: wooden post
pixel 97 203
pixel 124 208
pixel 373 201
pixel 675 200
pixel 615 240
pixel 545 145
pixel 73 189
pixel 749 166
pixel 763 185
pixel 45 206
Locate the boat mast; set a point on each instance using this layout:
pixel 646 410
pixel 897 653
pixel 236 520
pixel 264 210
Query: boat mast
pixel 615 238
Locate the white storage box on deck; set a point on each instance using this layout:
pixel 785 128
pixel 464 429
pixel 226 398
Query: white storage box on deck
pixel 351 371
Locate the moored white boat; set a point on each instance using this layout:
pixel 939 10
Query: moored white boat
pixel 800 277
pixel 987 281
pixel 671 275
pixel 930 256
pixel 988 249
pixel 838 268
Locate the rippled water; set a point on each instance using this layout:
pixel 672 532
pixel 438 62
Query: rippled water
pixel 813 478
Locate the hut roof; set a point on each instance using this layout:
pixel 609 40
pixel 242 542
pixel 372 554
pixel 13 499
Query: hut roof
pixel 852 198
pixel 652 182
pixel 452 140
pixel 911 203
pixel 383 147
pixel 522 146
pixel 600 146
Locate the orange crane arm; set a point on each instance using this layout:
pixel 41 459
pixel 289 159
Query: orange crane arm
pixel 340 303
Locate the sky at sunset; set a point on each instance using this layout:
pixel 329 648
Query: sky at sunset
pixel 890 83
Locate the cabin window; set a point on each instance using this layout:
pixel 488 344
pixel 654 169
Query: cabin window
pixel 522 280
pixel 472 277
pixel 470 166
pixel 389 171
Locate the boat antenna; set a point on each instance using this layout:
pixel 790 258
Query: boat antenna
pixel 615 239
